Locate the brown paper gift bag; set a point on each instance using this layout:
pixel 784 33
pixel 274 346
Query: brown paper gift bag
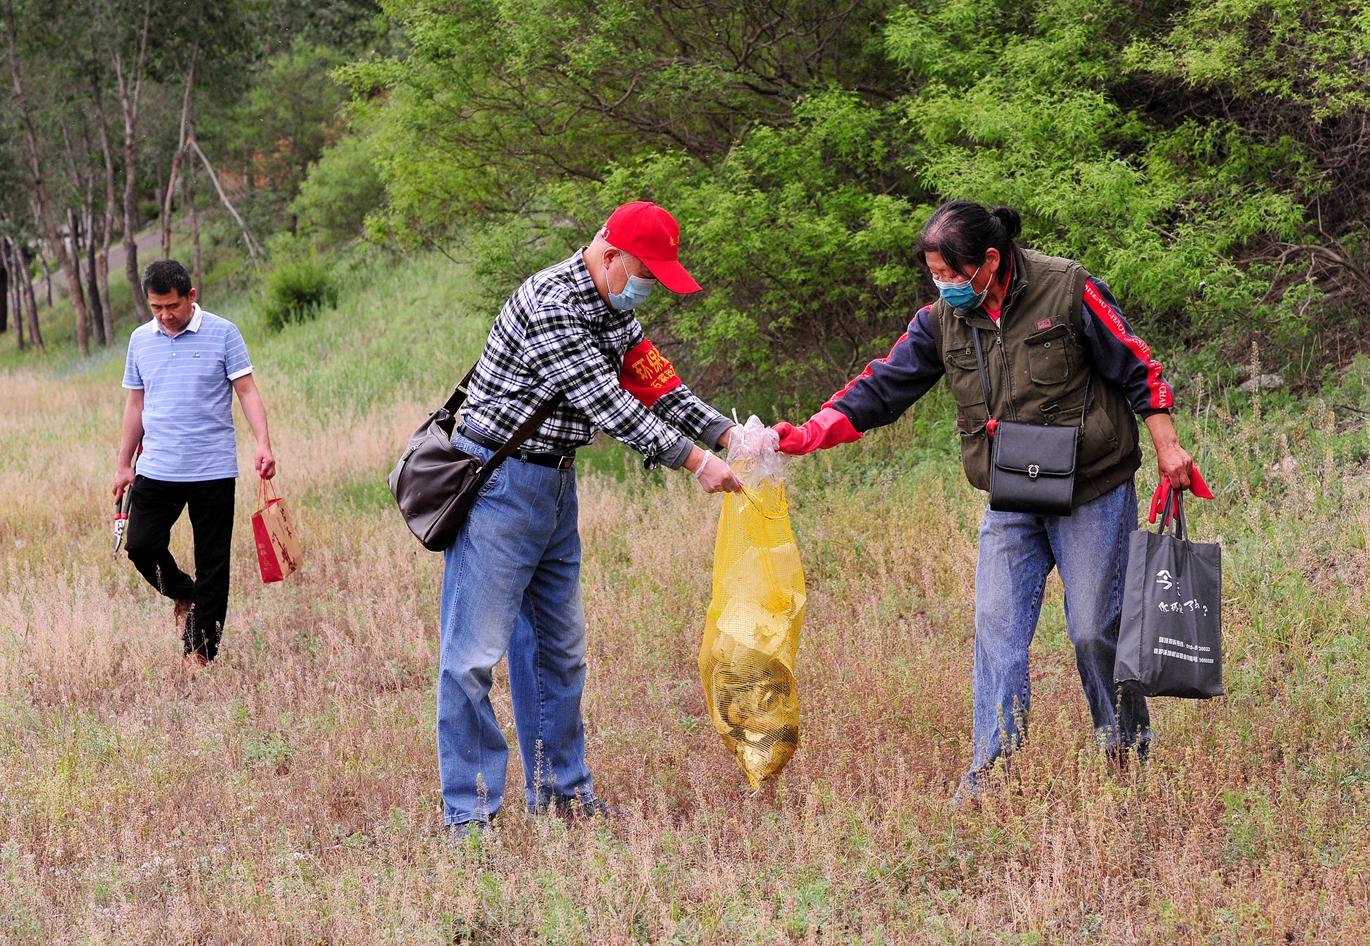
pixel 278 547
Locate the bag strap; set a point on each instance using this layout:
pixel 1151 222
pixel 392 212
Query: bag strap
pixel 1172 519
pixel 523 433
pixel 984 381
pixel 984 375
pixel 526 429
pixel 458 396
pixel 266 490
pixel 984 386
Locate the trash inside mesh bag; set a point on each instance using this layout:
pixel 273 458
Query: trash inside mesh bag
pixel 752 632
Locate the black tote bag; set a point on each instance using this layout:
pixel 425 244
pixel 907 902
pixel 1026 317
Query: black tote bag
pixel 1170 639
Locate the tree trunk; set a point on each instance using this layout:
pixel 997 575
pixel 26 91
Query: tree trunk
pixel 41 191
pixel 16 296
pixel 74 248
pixel 97 305
pixel 131 271
pixel 73 241
pixel 194 224
pixel 83 178
pixel 31 303
pixel 4 295
pixel 214 179
pixel 83 310
pixel 130 90
pixel 111 209
pixel 178 155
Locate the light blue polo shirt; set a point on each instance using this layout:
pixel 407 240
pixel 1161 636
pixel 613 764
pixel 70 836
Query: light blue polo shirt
pixel 187 397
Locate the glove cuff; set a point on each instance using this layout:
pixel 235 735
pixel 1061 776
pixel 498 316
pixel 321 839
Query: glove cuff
pixel 703 465
pixel 831 427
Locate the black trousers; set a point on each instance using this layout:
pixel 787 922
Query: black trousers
pixel 153 509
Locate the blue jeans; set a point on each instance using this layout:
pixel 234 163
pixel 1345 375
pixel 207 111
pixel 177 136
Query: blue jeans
pixel 1017 552
pixel 512 584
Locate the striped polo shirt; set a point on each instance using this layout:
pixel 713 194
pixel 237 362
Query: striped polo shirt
pixel 187 397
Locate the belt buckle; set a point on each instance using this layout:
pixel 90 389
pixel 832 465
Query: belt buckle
pixel 566 462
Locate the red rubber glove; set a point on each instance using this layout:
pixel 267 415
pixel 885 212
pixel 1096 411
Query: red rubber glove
pixel 1162 495
pixel 827 428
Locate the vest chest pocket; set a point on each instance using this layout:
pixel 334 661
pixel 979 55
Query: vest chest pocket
pixel 1048 355
pixel 963 376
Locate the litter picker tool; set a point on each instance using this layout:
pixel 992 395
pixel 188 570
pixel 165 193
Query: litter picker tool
pixel 121 507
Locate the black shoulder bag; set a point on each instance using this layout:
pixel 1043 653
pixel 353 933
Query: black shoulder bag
pixel 1032 466
pixel 435 484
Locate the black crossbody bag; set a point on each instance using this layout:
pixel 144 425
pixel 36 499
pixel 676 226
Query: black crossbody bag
pixel 435 484
pixel 1032 466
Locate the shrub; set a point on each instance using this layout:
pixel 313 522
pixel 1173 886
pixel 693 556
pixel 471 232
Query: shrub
pixel 296 290
pixel 340 190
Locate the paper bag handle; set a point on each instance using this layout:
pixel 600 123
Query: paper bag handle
pixel 266 490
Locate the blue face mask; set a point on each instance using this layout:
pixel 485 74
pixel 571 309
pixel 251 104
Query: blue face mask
pixel 635 291
pixel 962 295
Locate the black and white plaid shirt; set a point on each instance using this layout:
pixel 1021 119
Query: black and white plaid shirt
pixel 557 334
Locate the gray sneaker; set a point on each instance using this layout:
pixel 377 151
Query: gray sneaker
pixel 967 794
pixel 466 833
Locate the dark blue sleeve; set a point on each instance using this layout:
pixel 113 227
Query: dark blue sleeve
pixel 1120 357
pixel 888 386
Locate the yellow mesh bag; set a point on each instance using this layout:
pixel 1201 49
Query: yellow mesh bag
pixel 751 635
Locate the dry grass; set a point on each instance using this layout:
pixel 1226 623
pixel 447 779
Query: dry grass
pixel 291 796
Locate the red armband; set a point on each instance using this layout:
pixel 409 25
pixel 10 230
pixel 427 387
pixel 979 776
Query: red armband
pixel 647 375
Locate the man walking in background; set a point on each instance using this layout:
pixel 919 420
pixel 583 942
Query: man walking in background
pixel 512 581
pixel 181 372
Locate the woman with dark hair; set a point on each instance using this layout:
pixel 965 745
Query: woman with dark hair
pixel 1029 339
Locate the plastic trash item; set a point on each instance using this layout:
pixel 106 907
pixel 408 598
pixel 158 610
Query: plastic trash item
pixel 751 634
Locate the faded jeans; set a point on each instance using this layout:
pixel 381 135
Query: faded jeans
pixel 512 584
pixel 1017 552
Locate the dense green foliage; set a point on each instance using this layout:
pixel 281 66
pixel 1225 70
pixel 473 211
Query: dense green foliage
pixel 340 190
pixel 1208 159
pixel 296 289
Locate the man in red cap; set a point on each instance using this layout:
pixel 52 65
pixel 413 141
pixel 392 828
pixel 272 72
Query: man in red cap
pixel 512 576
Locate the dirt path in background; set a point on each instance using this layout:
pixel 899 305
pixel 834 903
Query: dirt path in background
pixel 149 242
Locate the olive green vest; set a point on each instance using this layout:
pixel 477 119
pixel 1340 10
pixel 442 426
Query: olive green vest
pixel 1040 369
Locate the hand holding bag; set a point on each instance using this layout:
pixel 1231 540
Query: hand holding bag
pixel 1170 639
pixel 435 484
pixel 278 547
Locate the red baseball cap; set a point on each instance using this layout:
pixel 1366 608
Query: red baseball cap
pixel 652 235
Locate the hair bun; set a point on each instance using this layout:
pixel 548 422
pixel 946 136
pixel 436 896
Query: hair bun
pixel 1010 218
